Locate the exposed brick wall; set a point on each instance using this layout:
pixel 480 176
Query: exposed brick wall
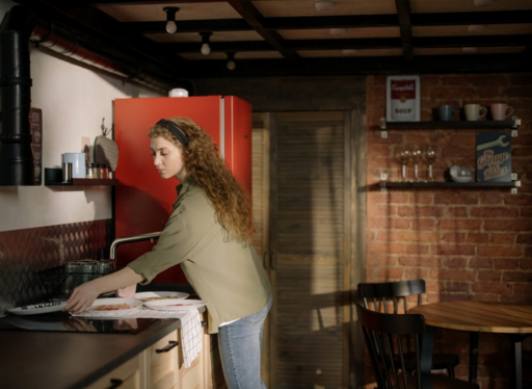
pixel 467 244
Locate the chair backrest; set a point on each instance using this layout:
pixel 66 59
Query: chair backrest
pixel 390 297
pixel 389 338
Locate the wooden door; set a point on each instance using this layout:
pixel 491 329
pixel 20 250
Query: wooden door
pixel 308 249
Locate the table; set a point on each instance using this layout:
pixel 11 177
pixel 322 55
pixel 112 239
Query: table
pixel 476 317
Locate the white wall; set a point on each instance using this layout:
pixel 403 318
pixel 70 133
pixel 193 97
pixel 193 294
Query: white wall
pixel 73 101
pixel 4 7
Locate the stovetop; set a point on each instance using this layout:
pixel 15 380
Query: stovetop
pixel 64 322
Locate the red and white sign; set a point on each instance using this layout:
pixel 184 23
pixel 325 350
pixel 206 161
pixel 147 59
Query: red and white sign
pixel 402 98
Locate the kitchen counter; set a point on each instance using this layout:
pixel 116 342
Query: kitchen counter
pixel 34 359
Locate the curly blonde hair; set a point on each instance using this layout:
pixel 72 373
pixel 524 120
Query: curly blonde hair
pixel 207 170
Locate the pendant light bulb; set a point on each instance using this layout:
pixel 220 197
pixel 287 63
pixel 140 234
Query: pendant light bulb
pixel 171 25
pixel 230 64
pixel 205 49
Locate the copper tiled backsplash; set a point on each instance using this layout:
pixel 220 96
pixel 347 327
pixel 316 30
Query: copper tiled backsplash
pixel 31 259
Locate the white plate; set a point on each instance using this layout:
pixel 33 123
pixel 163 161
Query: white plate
pixel 111 306
pixel 152 296
pixel 36 309
pixel 173 304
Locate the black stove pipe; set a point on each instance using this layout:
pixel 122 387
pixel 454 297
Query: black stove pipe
pixel 16 159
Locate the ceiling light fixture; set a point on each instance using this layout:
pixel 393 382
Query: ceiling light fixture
pixel 205 47
pixel 231 64
pixel 170 26
pixel 323 5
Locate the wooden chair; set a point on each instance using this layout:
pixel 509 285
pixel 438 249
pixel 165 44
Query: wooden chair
pixel 392 297
pixel 388 336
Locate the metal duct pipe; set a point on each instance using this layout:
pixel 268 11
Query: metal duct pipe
pixel 16 159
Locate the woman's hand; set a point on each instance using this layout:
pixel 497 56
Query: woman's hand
pixel 127 292
pixel 82 297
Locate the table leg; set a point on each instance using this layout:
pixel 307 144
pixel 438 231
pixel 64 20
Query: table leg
pixel 518 362
pixel 473 356
pixel 426 350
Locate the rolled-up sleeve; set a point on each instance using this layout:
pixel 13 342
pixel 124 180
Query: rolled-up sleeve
pixel 171 249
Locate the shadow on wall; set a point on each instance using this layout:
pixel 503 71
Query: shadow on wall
pixel 128 87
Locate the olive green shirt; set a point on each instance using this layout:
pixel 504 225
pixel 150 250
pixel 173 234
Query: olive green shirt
pixel 227 274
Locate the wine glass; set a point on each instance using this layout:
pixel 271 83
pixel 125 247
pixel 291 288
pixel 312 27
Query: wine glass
pixel 416 156
pixel 429 155
pixel 403 155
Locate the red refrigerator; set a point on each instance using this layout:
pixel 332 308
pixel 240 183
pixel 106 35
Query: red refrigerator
pixel 143 200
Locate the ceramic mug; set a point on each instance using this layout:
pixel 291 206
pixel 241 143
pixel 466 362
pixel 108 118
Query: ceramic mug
pixel 475 112
pixel 446 112
pixel 501 111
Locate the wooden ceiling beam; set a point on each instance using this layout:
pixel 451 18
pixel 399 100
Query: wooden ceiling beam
pixel 189 26
pixel 78 3
pixel 252 16
pixel 361 66
pixel 344 21
pixel 96 31
pixel 303 44
pixel 405 27
pixel 357 44
pixel 468 18
pixel 474 41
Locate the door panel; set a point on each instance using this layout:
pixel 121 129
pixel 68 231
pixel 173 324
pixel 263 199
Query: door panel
pixel 307 243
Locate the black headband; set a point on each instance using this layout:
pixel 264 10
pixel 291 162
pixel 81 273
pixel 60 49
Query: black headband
pixel 174 129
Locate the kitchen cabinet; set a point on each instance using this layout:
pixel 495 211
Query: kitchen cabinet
pixel 511 125
pixel 149 359
pixel 160 366
pixel 126 376
pixel 162 362
pixel 199 375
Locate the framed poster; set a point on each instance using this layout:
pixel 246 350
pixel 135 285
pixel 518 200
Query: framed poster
pixel 402 99
pixel 494 156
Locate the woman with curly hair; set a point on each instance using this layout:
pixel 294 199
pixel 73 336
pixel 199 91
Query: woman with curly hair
pixel 209 234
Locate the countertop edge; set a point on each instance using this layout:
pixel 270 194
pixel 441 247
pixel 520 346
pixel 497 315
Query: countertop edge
pixel 148 337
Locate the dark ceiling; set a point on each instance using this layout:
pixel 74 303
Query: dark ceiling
pixel 294 37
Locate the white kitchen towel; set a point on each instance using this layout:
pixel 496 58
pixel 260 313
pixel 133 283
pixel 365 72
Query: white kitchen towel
pixel 191 336
pixel 190 323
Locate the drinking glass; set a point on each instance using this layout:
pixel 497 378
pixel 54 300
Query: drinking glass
pixel 416 155
pixel 403 155
pixel 429 155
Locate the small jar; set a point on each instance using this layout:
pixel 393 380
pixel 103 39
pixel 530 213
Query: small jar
pixel 90 172
pixel 101 171
pixel 94 170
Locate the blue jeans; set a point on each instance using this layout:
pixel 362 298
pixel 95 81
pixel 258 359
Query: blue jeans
pixel 239 344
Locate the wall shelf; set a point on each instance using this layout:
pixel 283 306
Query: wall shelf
pixel 484 125
pixel 78 182
pixel 399 185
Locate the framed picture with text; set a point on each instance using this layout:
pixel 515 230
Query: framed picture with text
pixel 402 99
pixel 494 156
